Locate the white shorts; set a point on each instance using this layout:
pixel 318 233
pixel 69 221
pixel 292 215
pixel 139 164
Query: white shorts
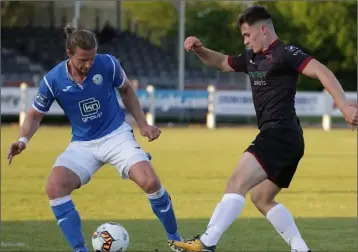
pixel 118 148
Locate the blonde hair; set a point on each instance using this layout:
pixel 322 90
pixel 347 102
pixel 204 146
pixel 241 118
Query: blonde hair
pixel 82 38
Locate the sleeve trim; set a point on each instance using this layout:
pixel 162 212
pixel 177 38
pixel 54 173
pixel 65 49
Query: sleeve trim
pixel 114 67
pixel 38 110
pixel 123 78
pixel 49 87
pixel 229 61
pixel 304 64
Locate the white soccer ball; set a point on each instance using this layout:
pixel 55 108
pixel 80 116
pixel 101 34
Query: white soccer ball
pixel 110 237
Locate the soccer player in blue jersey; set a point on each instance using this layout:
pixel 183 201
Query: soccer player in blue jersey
pixel 85 86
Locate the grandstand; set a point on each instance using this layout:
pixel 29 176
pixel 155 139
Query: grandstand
pixel 29 52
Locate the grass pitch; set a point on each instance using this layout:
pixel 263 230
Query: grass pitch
pixel 193 165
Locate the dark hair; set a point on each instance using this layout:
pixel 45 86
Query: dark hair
pixel 82 38
pixel 252 15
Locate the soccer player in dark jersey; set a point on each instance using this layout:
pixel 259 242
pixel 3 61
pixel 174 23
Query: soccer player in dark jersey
pixel 270 161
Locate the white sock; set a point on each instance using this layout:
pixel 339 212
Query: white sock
pixel 224 215
pixel 284 224
pixel 60 201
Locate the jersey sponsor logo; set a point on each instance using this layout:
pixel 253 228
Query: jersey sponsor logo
pixel 258 78
pixel 259 83
pixel 90 109
pixel 41 100
pixel 97 79
pixel 257 75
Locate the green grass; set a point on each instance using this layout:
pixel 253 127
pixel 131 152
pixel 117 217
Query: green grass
pixel 194 165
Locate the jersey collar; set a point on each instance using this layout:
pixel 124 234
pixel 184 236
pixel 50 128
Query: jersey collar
pixel 270 46
pixel 68 76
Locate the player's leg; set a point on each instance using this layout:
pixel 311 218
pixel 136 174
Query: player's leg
pixel 263 196
pixel 61 182
pixel 143 174
pixel 125 154
pixel 71 170
pixel 248 174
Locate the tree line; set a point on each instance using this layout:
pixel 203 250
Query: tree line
pixel 326 30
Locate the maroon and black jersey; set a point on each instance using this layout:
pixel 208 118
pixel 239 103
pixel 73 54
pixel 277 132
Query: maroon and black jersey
pixel 273 75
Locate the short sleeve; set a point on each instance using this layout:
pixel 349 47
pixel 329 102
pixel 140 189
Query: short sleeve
pixel 44 97
pixel 238 63
pixel 118 73
pixel 295 58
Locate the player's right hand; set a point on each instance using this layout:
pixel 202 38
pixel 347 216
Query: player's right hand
pixel 15 149
pixel 192 43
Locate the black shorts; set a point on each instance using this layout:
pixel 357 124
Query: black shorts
pixel 279 151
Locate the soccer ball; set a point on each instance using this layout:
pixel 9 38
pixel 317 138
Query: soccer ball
pixel 110 237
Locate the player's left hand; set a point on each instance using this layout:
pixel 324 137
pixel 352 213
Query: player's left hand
pixel 349 112
pixel 151 132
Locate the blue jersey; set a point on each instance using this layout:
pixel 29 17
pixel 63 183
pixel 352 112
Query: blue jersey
pixel 92 108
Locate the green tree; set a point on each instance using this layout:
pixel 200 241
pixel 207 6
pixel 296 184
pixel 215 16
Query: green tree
pixel 326 30
pixel 158 16
pixel 15 13
pixel 214 23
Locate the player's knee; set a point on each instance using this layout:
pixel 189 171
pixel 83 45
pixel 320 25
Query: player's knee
pixel 236 185
pixel 145 177
pixel 151 184
pixel 55 189
pixel 231 185
pixel 59 185
pixel 256 198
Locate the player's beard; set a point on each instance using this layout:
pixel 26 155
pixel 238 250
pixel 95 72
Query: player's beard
pixel 81 71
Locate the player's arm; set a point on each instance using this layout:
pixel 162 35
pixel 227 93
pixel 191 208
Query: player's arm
pixel 28 128
pixel 317 70
pixel 41 105
pixel 31 124
pixel 214 59
pixel 131 102
pixel 296 59
pixel 33 118
pixel 127 93
pixel 308 66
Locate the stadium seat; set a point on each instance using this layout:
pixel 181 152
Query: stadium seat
pixel 35 50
